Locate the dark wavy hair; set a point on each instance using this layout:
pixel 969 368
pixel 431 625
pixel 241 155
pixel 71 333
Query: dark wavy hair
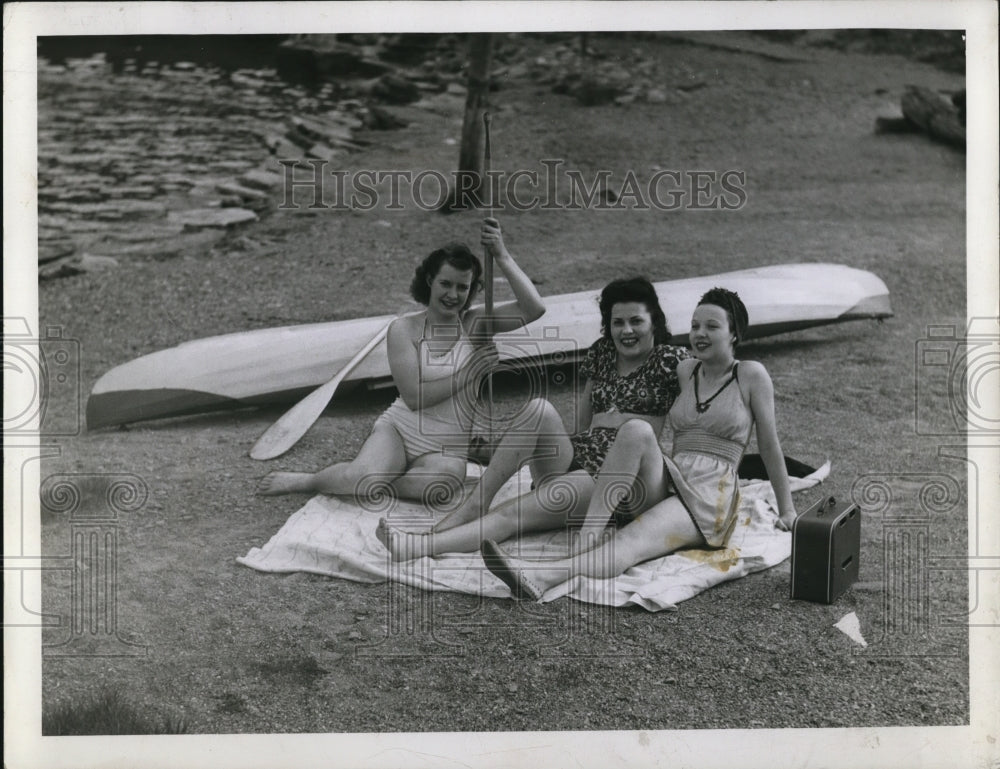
pixel 736 311
pixel 458 256
pixel 636 289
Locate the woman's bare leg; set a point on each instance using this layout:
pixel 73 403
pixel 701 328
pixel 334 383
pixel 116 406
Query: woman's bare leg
pixel 381 457
pixel 633 468
pixel 661 530
pixel 546 447
pixel 433 479
pixel 546 507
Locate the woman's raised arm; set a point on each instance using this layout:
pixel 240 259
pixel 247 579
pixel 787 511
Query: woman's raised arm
pixel 527 305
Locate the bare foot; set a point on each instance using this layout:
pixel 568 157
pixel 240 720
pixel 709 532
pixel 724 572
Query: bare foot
pixel 402 545
pixel 384 534
pixel 277 483
pixel 526 580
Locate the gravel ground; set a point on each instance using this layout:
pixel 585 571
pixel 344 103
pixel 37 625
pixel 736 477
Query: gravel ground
pixel 231 650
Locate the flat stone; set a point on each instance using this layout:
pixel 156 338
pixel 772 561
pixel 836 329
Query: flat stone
pixel 443 103
pixel 192 241
pixel 150 248
pixel 81 159
pixel 261 180
pixel 321 130
pixel 61 268
pixel 323 152
pixel 382 119
pixel 286 150
pixel 83 225
pixel 138 209
pixel 71 196
pixel 232 188
pixel 330 57
pixel 148 232
pixel 56 249
pixel 343 118
pixel 247 80
pixel 393 89
pixel 204 195
pixel 134 191
pixel 295 136
pixel 51 222
pixel 89 262
pixel 177 178
pixel 230 165
pixel 427 85
pixel 112 209
pixel 216 218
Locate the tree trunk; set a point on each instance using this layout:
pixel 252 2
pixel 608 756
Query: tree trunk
pixel 469 177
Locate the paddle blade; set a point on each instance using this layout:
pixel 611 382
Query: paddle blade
pixel 295 422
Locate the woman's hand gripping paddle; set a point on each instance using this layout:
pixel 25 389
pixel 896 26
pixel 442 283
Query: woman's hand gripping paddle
pixel 295 422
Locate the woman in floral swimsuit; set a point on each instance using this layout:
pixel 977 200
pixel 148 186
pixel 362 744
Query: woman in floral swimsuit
pixel 631 374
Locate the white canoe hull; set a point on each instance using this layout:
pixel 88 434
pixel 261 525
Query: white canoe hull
pixel 269 365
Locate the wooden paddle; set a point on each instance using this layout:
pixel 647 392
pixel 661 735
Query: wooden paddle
pixel 488 280
pixel 295 422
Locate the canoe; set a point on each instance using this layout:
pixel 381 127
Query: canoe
pixel 251 368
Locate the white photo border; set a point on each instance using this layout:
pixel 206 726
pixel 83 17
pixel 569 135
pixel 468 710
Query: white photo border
pixel 886 747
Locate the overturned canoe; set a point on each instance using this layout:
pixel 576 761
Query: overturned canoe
pixel 278 364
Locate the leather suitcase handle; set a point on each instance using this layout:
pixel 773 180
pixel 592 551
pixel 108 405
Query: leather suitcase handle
pixel 827 505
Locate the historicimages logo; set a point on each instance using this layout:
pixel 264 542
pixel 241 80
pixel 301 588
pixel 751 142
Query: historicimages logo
pixel 551 187
pixel 41 381
pixel 957 380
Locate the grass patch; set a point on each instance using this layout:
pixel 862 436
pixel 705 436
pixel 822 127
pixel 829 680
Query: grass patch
pixel 107 712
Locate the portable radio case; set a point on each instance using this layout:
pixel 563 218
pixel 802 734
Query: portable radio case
pixel 826 549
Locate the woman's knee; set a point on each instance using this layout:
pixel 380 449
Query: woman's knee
pixel 636 434
pixel 437 482
pixel 450 483
pixel 544 413
pixel 443 491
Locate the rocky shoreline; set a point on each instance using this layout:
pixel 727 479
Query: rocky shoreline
pixel 197 152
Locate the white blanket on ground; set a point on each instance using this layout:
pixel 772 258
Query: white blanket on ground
pixel 336 536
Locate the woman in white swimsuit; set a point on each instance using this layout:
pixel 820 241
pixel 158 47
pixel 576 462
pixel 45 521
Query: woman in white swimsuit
pixel 437 357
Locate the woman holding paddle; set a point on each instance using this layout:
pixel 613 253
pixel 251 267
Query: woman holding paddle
pixel 631 376
pixel 721 401
pixel 437 357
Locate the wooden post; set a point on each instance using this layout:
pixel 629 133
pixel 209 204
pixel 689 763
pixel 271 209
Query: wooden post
pixel 469 179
